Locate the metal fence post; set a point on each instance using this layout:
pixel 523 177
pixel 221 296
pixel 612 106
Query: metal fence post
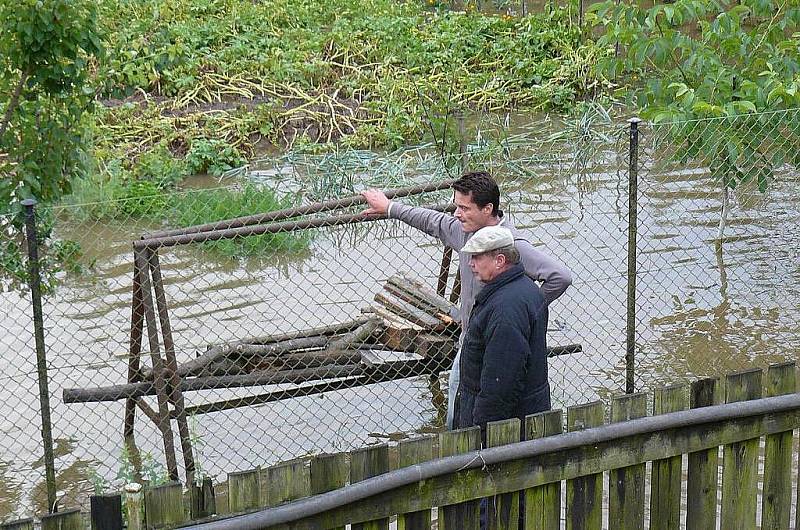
pixel 34 281
pixel 633 177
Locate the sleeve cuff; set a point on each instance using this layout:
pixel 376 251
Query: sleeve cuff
pixel 389 210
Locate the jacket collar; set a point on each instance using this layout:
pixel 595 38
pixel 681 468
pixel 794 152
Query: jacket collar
pixel 505 277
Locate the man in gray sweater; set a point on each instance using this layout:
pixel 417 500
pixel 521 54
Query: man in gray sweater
pixel 477 201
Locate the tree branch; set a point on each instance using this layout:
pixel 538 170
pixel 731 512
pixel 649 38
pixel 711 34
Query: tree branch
pixel 14 102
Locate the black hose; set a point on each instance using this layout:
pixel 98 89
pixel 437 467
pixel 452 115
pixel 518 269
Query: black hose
pixel 476 459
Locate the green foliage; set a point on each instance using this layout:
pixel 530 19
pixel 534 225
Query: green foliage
pixel 245 72
pixel 160 168
pixel 214 157
pixel 216 205
pixel 152 470
pixel 712 59
pixel 46 51
pixel 47 48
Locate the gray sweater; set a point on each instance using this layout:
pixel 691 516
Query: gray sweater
pixel 553 275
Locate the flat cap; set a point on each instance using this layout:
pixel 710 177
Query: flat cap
pixel 489 238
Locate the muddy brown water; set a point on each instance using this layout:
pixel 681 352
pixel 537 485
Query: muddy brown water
pixel 697 315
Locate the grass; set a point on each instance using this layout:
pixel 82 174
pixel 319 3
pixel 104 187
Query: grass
pixel 123 202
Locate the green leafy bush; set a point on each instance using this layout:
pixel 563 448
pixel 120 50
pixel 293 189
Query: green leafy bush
pixel 214 157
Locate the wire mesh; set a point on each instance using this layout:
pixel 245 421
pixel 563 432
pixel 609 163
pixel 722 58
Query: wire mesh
pixel 245 315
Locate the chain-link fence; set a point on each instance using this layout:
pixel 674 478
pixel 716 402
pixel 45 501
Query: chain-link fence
pixel 320 332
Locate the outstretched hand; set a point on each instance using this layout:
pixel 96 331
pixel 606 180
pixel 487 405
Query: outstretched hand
pixel 377 201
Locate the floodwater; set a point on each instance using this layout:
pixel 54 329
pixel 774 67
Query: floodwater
pixel 698 314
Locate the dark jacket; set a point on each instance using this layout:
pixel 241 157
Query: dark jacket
pixel 504 356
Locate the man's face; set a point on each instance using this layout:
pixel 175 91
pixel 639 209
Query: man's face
pixel 485 266
pixel 472 216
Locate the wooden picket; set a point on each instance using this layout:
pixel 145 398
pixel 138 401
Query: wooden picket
pixel 529 489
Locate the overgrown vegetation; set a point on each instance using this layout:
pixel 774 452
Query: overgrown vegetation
pixel 360 73
pixel 713 59
pixel 46 48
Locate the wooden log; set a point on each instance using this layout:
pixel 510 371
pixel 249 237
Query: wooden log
pixel 503 509
pixel 116 392
pixel 585 494
pixel 366 463
pixel 358 336
pixel 740 460
pixel 296 211
pixel 370 376
pixel 430 346
pixel 626 485
pixel 417 294
pixel 409 312
pixel 244 490
pixel 329 472
pixel 776 500
pixel 141 258
pixel 200 365
pixel 423 291
pixel 543 503
pixel 314 359
pixel 701 480
pixel 20 524
pixel 106 512
pixel 665 483
pixel 334 329
pixel 288 481
pixel 398 333
pixel 134 506
pixel 287 341
pixel 464 515
pixel 415 451
pixel 163 505
pixel 67 520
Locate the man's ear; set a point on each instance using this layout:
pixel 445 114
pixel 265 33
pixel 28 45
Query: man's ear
pixel 487 208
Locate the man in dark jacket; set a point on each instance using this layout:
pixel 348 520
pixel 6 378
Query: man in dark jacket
pixel 504 356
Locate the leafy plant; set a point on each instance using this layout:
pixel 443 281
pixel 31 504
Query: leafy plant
pixel 712 59
pixel 214 157
pixel 47 48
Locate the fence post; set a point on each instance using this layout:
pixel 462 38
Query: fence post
pixel 34 282
pixel 633 184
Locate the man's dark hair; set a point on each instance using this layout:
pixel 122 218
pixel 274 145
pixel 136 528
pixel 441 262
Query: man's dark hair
pixel 481 188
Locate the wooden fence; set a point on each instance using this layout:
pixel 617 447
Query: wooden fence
pixel 576 465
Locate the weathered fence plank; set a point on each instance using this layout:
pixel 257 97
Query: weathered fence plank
pixel 244 490
pixel 465 515
pixel 543 503
pixel 329 472
pixel 665 483
pixel 203 503
pixel 106 512
pixel 288 481
pixel 67 520
pixel 740 460
pixel 163 505
pixel 701 482
pixel 134 506
pixel 626 485
pixel 585 494
pixel 21 524
pixel 776 500
pixel 412 452
pixel 366 463
pixel 558 464
pixel 503 509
